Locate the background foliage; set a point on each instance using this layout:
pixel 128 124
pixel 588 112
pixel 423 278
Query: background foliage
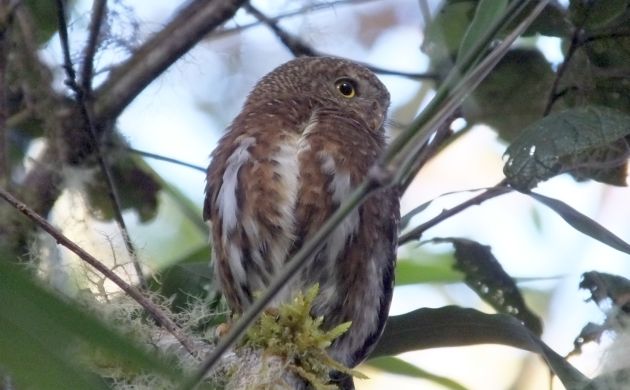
pixel 79 79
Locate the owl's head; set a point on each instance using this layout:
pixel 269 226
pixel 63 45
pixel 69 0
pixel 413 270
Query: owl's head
pixel 326 83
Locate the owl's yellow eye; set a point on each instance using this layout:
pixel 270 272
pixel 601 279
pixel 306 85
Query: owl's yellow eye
pixel 346 88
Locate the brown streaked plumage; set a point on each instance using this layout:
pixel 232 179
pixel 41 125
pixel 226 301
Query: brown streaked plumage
pixel 305 138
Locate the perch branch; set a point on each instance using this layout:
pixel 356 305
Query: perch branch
pixel 83 93
pixel 161 318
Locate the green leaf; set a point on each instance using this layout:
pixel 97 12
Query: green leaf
pixel 397 366
pixel 427 268
pixel 444 34
pixel 41 334
pixel 44 15
pixel 487 13
pixel 185 280
pixel 485 276
pixel 513 95
pixel 577 139
pixel 582 223
pixel 453 326
pixel 551 22
pixel 137 189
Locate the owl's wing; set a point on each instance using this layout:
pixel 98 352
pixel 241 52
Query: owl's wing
pixel 250 196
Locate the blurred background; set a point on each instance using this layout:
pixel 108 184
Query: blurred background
pixel 184 112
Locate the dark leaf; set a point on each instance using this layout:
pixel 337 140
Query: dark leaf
pixel 444 34
pixel 607 286
pixel 42 333
pixel 484 275
pixel 582 223
pixel 610 381
pixel 45 18
pixel 591 332
pixel 596 14
pixel 406 219
pixel 397 366
pixel 594 76
pixel 551 22
pixel 513 95
pixel 579 139
pixel 452 326
pixel 487 13
pixel 138 189
pixel 187 279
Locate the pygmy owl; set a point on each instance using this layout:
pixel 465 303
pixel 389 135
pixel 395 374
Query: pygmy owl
pixel 305 138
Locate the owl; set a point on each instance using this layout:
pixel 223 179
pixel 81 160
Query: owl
pixel 306 136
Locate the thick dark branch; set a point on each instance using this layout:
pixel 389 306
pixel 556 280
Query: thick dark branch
pixel 125 83
pixel 157 54
pixel 161 318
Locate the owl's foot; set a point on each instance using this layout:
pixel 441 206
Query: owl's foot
pixel 222 329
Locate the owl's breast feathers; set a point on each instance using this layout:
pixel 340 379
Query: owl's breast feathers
pixel 271 185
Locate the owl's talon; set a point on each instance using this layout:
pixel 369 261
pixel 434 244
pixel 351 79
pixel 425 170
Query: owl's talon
pixel 222 329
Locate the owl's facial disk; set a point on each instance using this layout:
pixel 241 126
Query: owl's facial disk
pixel 328 83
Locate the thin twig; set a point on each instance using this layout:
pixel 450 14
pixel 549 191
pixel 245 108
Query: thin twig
pixel 87 70
pixel 299 48
pixel 553 93
pixel 310 8
pixel 442 135
pixel 295 45
pixel 5 167
pixel 416 233
pixel 160 317
pixel 164 158
pixel 81 95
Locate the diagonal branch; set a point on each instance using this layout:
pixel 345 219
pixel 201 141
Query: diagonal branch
pixel 124 83
pixel 152 58
pixel 417 232
pixel 161 318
